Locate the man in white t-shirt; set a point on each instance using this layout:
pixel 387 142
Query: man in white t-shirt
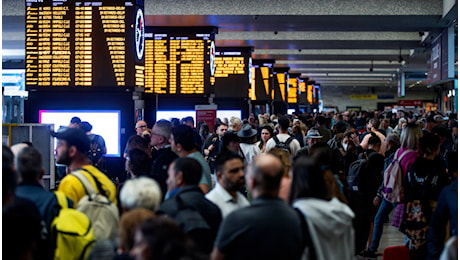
pixel 230 180
pixel 283 137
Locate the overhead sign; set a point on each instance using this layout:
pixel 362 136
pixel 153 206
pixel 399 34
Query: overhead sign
pixel 410 103
pixel 84 44
pixel 363 96
pixel 178 60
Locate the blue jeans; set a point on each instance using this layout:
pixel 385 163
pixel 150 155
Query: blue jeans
pixel 384 210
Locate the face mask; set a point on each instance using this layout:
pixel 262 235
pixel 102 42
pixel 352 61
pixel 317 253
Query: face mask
pixel 345 146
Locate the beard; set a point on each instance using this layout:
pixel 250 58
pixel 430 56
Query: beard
pixel 230 186
pixel 64 158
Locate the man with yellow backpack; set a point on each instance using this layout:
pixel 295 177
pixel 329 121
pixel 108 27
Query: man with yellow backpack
pixel 91 191
pixel 68 234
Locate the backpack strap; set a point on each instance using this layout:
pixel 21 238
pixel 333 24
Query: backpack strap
pixel 275 138
pixel 289 140
pixel 98 184
pixel 87 185
pixel 61 199
pixel 89 189
pixel 306 235
pixel 402 155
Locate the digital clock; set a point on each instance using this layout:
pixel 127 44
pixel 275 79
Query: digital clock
pixel 139 34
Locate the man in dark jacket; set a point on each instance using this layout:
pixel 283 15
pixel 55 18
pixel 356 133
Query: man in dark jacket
pixel 163 157
pixel 361 197
pixel 30 170
pixel 198 217
pixel 268 228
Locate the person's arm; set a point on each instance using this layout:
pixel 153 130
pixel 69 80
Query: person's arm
pixel 363 143
pixel 204 187
pixel 217 255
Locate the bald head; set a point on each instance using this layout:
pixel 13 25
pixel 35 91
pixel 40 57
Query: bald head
pixel 264 175
pixel 141 125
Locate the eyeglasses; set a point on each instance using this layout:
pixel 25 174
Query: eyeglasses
pixel 152 133
pixel 141 126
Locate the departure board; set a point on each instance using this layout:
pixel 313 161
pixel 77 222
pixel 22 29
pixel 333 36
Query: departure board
pixel 310 94
pixel 179 60
pixel 293 90
pixel 231 74
pixel 281 84
pixel 261 73
pixel 302 97
pixel 73 43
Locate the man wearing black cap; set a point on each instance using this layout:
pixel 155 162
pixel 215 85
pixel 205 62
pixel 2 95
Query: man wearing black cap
pixel 71 150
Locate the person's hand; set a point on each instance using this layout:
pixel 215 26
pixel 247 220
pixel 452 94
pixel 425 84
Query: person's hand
pixel 377 201
pixel 211 147
pixel 355 139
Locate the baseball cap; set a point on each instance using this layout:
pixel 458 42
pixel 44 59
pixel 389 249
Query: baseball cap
pixel 75 137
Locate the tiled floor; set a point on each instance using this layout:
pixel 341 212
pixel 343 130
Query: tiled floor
pixel 391 237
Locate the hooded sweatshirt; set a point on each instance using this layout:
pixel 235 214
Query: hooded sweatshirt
pixel 330 226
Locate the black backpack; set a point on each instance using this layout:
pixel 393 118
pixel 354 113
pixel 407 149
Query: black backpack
pixel 355 178
pixel 95 152
pixel 283 145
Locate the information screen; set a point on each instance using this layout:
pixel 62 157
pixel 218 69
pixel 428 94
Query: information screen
pixel 302 97
pixel 261 84
pixel 179 60
pixel 231 75
pixel 106 123
pixel 280 87
pixel 292 90
pixel 84 43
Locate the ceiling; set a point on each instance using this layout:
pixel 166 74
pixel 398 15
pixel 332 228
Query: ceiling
pixel 330 42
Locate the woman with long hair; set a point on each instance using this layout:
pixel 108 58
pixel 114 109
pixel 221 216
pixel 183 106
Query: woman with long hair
pixel 329 221
pixel 266 133
pixel 407 153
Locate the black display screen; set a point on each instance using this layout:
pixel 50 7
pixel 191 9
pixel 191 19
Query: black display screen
pixel 179 60
pixel 231 76
pixel 84 44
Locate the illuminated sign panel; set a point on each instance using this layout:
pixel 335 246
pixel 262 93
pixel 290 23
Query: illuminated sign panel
pixel 84 44
pixel 262 83
pixel 302 97
pixel 178 61
pixel 231 72
pixel 293 90
pixel 310 94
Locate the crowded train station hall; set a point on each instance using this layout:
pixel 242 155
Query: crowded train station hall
pixel 278 130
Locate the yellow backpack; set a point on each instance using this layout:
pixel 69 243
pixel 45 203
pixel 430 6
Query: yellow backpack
pixel 72 232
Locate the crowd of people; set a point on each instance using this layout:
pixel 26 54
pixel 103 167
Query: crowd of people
pixel 301 186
